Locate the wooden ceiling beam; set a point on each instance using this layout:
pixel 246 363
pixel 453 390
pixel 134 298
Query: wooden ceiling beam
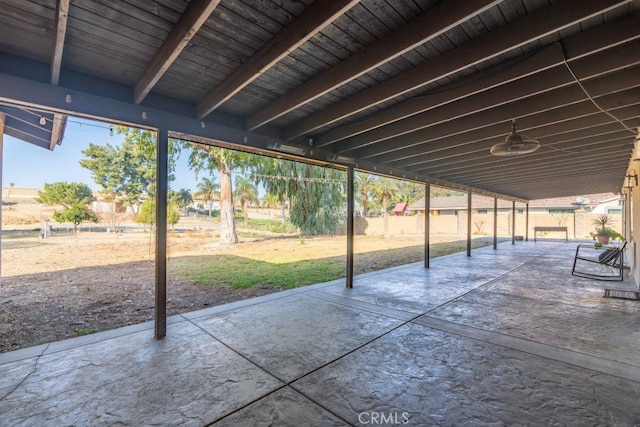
pixel 450 158
pixel 462 144
pixel 533 112
pixel 57 130
pixel 548 81
pixel 314 18
pixel 579 50
pixel 196 14
pixel 536 25
pixel 543 160
pixel 583 167
pixel 425 27
pixel 62 12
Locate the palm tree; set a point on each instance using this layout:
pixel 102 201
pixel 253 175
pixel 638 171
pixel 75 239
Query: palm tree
pixel 384 190
pixel 207 189
pixel 364 184
pixel 182 198
pixel 246 192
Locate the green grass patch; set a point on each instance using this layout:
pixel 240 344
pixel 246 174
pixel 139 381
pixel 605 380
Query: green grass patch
pixel 234 271
pixel 238 272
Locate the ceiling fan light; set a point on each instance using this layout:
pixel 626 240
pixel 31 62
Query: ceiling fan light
pixel 515 144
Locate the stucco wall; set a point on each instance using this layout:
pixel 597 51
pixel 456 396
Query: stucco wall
pixel 579 225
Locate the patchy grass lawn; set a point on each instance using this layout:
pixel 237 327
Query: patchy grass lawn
pixel 293 262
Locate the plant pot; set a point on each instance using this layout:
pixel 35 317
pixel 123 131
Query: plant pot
pixel 603 239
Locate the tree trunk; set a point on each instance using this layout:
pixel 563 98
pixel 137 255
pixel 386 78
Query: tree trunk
pixel 227 222
pixel 246 214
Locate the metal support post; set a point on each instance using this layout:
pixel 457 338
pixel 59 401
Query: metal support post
pixel 469 194
pixel 495 223
pixel 162 174
pixel 350 224
pixel 427 209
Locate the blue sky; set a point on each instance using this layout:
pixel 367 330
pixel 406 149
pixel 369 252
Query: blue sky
pixel 27 165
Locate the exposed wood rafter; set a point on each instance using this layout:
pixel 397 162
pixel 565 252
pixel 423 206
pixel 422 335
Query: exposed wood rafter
pixel 421 29
pixel 57 130
pixel 557 81
pixel 576 48
pixel 320 14
pixel 504 39
pixel 187 26
pixel 62 12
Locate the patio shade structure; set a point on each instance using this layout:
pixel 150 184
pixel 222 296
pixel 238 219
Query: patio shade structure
pixel 419 90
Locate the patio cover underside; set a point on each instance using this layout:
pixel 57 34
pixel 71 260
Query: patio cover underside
pixel 413 89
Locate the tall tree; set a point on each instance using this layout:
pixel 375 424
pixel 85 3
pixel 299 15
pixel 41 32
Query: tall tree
pixel 410 192
pixel 73 197
pixel 385 190
pixel 246 192
pixel 181 198
pixel 208 158
pixel 128 170
pixel 364 185
pixel 207 189
pixel 147 214
pixel 316 194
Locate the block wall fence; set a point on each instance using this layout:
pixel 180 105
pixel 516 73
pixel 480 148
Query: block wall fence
pixel 579 224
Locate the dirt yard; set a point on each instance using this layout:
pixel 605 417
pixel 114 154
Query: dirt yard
pixel 66 285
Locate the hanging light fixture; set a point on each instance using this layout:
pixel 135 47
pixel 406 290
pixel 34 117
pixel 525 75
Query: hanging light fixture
pixel 515 144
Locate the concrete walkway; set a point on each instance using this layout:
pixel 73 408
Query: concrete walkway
pixel 506 337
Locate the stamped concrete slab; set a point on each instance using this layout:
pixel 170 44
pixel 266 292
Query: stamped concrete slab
pixel 428 377
pixel 597 331
pixel 563 288
pixel 284 407
pixel 296 334
pixel 417 290
pixel 188 378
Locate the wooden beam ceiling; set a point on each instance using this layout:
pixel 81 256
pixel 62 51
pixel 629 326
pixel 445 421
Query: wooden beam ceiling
pixel 533 112
pixel 504 39
pixel 187 26
pixel 62 12
pixel 583 51
pixel 425 27
pixel 320 14
pixel 546 90
pixel 474 155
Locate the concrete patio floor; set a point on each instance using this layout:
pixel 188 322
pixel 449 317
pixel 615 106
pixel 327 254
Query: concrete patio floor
pixel 506 336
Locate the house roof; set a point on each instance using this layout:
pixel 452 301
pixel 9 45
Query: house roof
pixel 400 207
pixel 481 202
pixel 417 89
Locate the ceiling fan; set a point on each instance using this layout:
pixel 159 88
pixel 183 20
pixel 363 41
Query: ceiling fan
pixel 515 144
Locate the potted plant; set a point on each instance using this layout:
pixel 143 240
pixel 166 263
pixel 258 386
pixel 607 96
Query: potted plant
pixel 603 230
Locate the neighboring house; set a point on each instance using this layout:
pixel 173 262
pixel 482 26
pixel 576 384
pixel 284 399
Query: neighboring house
pixel 593 203
pixel 199 203
pixel 400 209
